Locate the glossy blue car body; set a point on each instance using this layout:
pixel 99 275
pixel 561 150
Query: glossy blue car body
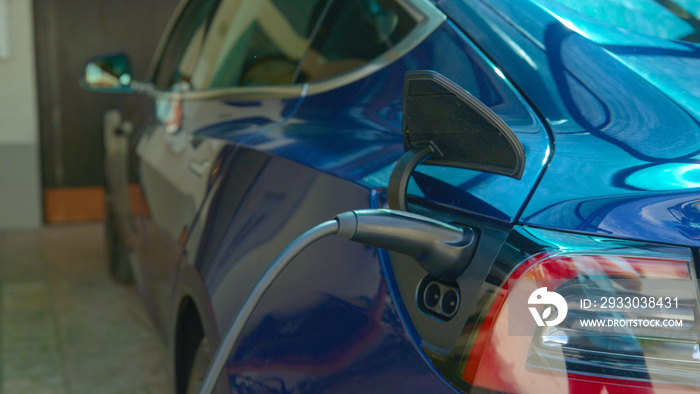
pixel 626 134
pixel 610 131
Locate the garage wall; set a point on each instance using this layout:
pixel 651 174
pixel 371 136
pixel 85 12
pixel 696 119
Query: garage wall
pixel 20 190
pixel 67 34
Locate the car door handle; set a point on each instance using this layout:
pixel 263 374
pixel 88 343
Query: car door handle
pixel 199 168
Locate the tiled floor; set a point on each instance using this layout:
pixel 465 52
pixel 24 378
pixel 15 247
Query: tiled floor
pixel 65 327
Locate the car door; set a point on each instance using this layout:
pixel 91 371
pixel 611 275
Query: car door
pixel 223 68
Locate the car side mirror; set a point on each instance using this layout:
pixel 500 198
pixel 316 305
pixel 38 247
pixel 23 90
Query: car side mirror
pixel 108 73
pixel 445 125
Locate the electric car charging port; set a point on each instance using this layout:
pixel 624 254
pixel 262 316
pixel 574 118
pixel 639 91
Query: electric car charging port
pixel 437 298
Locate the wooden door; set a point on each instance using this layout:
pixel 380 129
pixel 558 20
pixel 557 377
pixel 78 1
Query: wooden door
pixel 67 33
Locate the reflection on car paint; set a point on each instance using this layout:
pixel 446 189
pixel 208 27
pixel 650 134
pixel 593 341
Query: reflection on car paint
pixel 610 120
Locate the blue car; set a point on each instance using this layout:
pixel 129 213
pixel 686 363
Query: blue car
pixel 512 185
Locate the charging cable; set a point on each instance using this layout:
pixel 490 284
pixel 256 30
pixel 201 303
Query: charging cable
pixel 442 249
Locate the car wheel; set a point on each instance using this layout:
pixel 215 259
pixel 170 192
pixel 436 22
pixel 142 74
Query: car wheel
pixel 117 255
pixel 198 368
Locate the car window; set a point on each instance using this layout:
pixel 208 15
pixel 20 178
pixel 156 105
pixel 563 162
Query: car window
pixel 256 42
pixel 183 44
pixel 353 33
pixel 228 43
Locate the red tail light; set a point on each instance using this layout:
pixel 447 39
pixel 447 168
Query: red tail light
pixel 630 326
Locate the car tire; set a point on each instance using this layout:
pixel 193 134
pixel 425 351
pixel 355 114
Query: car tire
pixel 117 254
